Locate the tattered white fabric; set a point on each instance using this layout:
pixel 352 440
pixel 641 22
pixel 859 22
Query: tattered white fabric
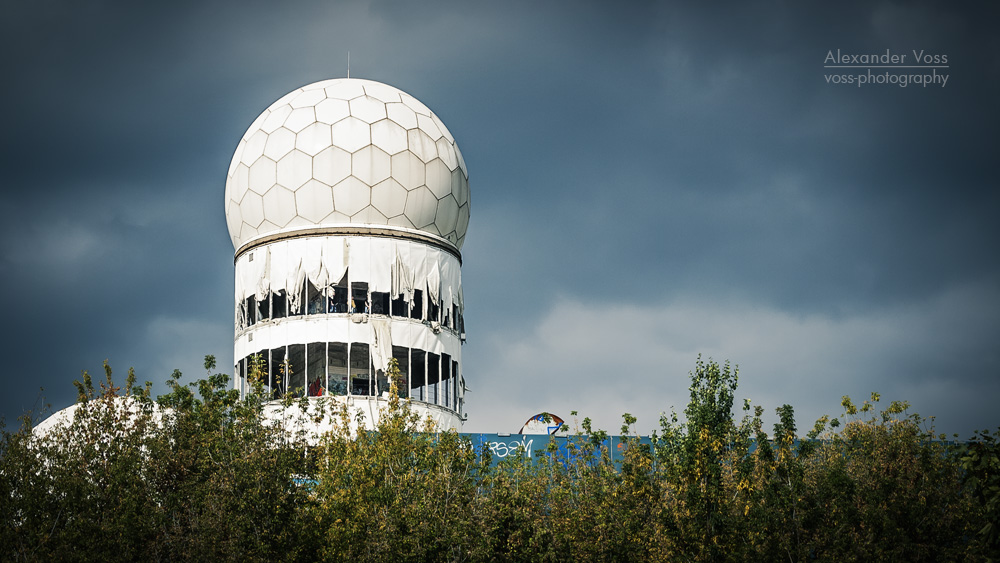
pixel 382 345
pixel 388 265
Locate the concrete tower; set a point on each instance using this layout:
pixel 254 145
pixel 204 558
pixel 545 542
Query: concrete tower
pixel 347 202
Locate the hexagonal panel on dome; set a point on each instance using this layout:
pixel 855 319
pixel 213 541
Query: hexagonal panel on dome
pixel 313 138
pixel 234 219
pixel 313 201
pixel 351 196
pixel 408 170
pixel 383 92
pixel 239 183
pixel 438 178
pixel 252 209
pixel 389 197
pixel 402 115
pixel 428 126
pixel 294 169
pixel 262 175
pixel 447 214
pixel 459 187
pixel 351 134
pixel 279 143
pixel 332 165
pixel 254 147
pixel 444 130
pixel 389 136
pixel 299 119
pixel 414 104
pixel 275 119
pixel 461 161
pixel 307 98
pixel 332 110
pixel 463 221
pixel 371 165
pixel 279 206
pixel 367 109
pixel 247 232
pixel 421 144
pixel 446 152
pixel 345 89
pixel 421 207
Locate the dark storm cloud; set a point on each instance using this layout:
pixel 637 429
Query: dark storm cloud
pixel 652 157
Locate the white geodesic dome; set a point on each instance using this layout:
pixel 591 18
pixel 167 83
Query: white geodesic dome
pixel 347 151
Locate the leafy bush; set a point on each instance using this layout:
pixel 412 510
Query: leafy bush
pixel 200 474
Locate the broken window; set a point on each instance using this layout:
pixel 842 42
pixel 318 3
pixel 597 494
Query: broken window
pixel 418 374
pixel 360 358
pixel 433 377
pixel 274 371
pixel 338 296
pixel 433 310
pixel 418 305
pixel 402 356
pixel 316 369
pixel 380 303
pixel 400 308
pixel 295 370
pixel 316 300
pixel 279 304
pixel 454 384
pixel 337 365
pixel 446 380
pixel 359 297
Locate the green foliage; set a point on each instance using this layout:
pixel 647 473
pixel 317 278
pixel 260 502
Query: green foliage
pixel 199 474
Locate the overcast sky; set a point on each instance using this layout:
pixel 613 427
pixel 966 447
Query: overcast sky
pixel 649 182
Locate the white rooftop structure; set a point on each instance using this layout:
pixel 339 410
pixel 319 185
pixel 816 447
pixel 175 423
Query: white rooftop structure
pixel 347 202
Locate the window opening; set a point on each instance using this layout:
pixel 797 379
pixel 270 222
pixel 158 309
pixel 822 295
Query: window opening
pixel 295 370
pixel 241 376
pixel 400 308
pixel 446 380
pixel 337 365
pixel 277 379
pixel 433 377
pixel 433 310
pixel 359 297
pixel 454 384
pixel 361 383
pixel 418 305
pixel 418 374
pixel 279 304
pixel 402 356
pixel 338 296
pixel 316 369
pixel 380 303
pixel 317 301
pixel 251 306
pixel 264 308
